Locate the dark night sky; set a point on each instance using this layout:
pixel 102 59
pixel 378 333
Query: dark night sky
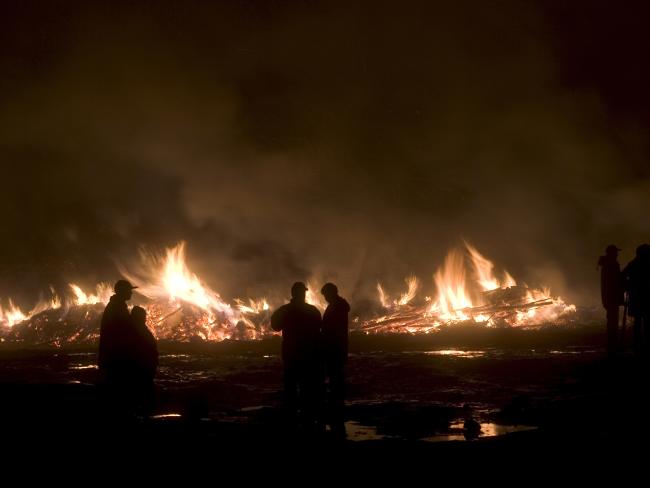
pixel 353 141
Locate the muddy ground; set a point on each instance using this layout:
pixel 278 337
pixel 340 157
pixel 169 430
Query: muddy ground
pixel 546 397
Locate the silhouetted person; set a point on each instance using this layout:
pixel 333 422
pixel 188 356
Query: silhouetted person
pixel 116 351
pixel 114 334
pixel 144 357
pixel 636 277
pixel 611 293
pixel 334 348
pixel 300 325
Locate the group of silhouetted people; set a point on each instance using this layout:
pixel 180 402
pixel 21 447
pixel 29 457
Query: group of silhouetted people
pixel 128 354
pixel 315 348
pixel 629 288
pixel 314 354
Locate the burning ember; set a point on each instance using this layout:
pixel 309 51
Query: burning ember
pixel 182 307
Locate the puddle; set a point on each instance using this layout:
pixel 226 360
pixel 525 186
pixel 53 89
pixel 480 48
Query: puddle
pixel 358 432
pixel 256 408
pixel 487 430
pixel 456 353
pixel 166 416
pixel 574 351
pixel 83 366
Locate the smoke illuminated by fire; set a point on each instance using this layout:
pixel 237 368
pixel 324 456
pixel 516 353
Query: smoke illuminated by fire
pixel 181 306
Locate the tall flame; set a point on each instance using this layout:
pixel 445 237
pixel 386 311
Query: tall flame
pixel 313 296
pixel 12 314
pixel 383 298
pixel 452 297
pixel 168 277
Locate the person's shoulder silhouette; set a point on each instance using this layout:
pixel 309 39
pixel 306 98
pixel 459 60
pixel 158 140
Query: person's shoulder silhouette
pixel 145 347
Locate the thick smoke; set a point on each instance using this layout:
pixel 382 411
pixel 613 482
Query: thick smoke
pixel 293 140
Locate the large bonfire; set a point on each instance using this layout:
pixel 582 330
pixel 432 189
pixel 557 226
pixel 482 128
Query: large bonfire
pixel 183 307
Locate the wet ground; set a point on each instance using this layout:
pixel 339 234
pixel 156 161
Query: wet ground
pixel 404 394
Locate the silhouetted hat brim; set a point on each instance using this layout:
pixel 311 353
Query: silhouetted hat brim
pixel 124 285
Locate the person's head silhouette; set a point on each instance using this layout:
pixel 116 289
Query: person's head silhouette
pixel 139 315
pixel 330 292
pixel 643 252
pixel 612 251
pixel 123 289
pixel 298 291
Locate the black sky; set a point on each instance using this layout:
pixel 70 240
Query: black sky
pixel 352 141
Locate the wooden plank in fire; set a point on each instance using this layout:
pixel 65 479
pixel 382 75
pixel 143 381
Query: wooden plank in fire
pixel 487 309
pixel 398 323
pixel 416 317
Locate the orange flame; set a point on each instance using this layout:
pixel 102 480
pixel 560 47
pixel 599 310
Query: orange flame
pixel 462 294
pixel 412 284
pixel 452 297
pixel 103 292
pixel 458 299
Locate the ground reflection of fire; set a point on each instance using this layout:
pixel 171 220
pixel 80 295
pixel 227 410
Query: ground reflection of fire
pixel 182 307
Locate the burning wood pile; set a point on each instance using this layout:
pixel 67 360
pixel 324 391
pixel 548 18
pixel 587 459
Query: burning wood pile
pixel 181 307
pixel 465 295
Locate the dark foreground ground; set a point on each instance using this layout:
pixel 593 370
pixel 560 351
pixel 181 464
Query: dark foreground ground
pixel 548 401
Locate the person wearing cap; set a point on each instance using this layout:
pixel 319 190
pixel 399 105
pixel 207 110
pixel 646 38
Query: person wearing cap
pixel 636 278
pixel 300 325
pixel 335 354
pixel 114 336
pixel 611 294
